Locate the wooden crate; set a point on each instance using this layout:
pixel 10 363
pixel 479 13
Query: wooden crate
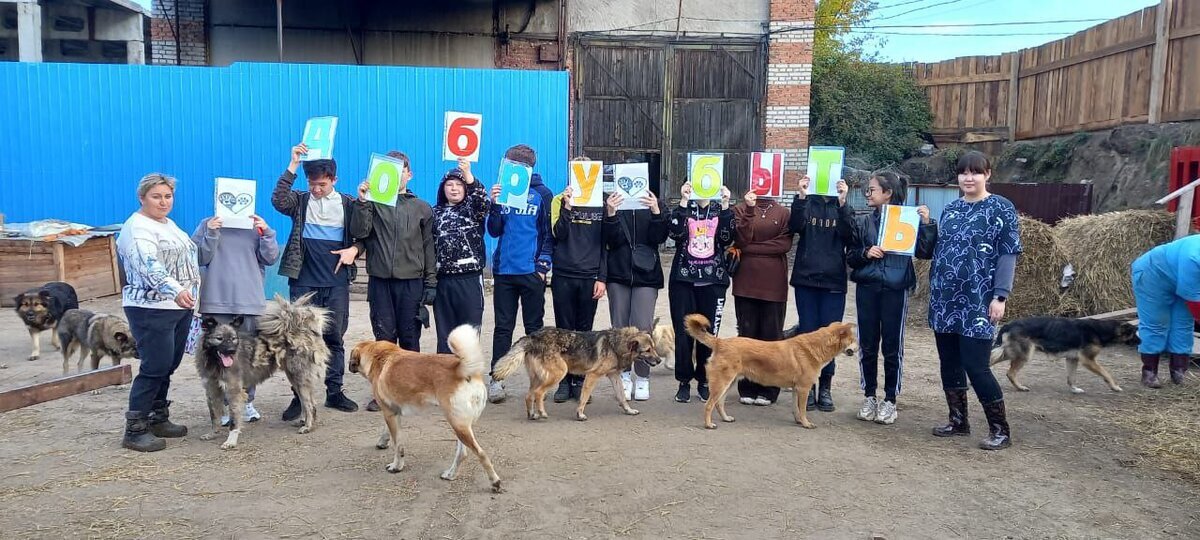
pixel 91 268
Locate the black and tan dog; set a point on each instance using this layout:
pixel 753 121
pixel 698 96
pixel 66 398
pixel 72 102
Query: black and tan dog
pixel 1079 341
pixel 41 308
pixel 551 353
pixel 96 335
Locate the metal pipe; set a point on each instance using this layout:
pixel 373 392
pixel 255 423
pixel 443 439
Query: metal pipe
pixel 279 26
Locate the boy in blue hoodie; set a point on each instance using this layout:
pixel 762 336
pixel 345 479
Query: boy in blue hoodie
pixel 520 263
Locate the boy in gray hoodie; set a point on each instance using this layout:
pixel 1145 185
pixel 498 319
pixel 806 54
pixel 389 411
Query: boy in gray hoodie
pixel 233 265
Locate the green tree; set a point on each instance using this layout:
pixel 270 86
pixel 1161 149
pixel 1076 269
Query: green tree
pixel 834 19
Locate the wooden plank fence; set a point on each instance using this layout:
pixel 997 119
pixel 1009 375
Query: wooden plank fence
pixel 1140 68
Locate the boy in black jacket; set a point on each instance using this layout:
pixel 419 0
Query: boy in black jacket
pixel 825 228
pixel 579 273
pixel 458 219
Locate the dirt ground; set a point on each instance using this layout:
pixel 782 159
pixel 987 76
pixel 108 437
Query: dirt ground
pixel 1072 472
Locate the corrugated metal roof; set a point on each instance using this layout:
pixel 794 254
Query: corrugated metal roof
pixel 80 136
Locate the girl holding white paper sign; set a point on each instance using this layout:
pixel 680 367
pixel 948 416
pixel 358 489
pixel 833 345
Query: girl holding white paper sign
pixel 824 227
pixel 978 241
pixel 883 282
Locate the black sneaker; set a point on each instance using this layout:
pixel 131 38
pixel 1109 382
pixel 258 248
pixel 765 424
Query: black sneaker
pixel 373 406
pixel 340 402
pixel 293 410
pixel 684 394
pixel 812 399
pixel 825 401
pixel 563 394
pixel 702 391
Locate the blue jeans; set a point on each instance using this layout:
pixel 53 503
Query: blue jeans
pixel 161 335
pixel 819 308
pixel 337 301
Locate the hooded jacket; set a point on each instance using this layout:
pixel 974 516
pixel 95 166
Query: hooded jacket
pixel 294 204
pixel 578 241
pixel 702 236
pixel 399 239
pixel 893 271
pixel 824 231
pixel 458 229
pixel 525 245
pixel 642 227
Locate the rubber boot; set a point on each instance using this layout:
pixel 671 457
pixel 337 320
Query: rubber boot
pixel 998 435
pixel 1150 370
pixel 160 422
pixel 137 433
pixel 1179 367
pixel 956 401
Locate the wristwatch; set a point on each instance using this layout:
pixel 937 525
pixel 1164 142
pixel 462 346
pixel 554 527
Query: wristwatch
pixel 1001 299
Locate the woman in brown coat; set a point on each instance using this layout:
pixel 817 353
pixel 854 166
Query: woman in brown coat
pixel 760 286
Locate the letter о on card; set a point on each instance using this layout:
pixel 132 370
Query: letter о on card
pixel 385 179
pixel 462 136
pixel 587 186
pixel 898 229
pixel 706 172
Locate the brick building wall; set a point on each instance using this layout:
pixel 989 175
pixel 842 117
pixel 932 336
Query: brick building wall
pixel 789 83
pixel 523 54
pixel 188 18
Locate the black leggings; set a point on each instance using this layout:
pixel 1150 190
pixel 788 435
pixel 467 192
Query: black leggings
pixel 964 358
pixel 685 299
pixel 763 320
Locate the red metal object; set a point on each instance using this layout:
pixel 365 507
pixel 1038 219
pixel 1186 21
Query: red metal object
pixel 1185 167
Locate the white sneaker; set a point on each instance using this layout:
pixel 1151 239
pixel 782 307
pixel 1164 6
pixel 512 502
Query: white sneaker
pixel 225 421
pixel 762 401
pixel 869 409
pixel 252 414
pixel 886 414
pixel 746 400
pixel 641 389
pixel 496 393
pixel 627 385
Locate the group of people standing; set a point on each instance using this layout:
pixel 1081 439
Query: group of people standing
pixel 419 256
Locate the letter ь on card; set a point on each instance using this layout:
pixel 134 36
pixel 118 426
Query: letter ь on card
pixel 898 229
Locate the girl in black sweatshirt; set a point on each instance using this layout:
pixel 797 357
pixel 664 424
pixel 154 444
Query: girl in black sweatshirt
pixel 702 232
pixel 825 228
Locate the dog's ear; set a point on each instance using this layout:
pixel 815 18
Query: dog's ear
pixel 237 321
pixel 120 337
pixel 208 323
pixel 44 293
pixel 19 299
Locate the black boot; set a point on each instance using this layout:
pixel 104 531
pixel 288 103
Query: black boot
pixel 160 422
pixel 1179 367
pixel 998 436
pixel 956 400
pixel 825 397
pixel 293 410
pixel 563 394
pixel 812 399
pixel 1150 370
pixel 137 433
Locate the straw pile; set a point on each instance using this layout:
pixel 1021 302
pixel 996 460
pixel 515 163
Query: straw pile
pixel 1101 248
pixel 1035 285
pixel 1169 432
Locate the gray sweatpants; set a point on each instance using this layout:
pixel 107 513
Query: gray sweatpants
pixel 632 306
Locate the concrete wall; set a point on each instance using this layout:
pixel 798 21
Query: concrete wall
pixel 705 17
pixel 59 31
pixel 428 33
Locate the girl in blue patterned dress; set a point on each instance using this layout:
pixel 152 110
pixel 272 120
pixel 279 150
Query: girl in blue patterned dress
pixel 978 241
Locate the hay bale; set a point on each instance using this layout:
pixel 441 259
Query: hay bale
pixel 1101 248
pixel 1035 285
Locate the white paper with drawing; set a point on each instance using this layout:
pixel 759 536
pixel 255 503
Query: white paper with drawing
pixel 632 181
pixel 235 202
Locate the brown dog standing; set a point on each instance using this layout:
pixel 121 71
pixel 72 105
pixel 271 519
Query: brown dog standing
pixel 791 363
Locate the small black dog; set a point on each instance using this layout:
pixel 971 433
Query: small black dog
pixel 41 308
pixel 1077 340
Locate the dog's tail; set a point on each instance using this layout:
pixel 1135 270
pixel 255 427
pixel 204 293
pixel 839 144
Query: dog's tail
pixel 464 342
pixel 509 363
pixel 998 347
pixel 697 326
